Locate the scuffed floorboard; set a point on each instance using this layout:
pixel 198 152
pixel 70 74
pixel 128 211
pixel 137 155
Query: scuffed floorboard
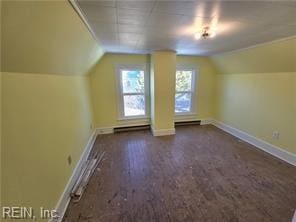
pixel 200 174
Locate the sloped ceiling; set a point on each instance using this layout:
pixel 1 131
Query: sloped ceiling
pixel 279 56
pixel 145 26
pixel 45 37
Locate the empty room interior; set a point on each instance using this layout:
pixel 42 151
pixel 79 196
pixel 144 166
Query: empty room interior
pixel 148 111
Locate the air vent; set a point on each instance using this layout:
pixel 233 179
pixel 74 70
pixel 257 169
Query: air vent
pixel 131 128
pixel 187 123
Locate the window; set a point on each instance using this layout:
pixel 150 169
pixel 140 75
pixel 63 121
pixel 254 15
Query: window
pixel 185 91
pixel 133 96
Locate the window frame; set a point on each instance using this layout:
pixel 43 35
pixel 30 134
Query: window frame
pixel 193 90
pixel 121 94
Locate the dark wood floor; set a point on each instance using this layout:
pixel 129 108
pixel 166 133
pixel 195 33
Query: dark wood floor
pixel 200 174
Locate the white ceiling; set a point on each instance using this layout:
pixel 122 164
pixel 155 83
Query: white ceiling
pixel 144 26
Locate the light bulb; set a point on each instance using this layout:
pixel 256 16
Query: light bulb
pixel 197 35
pixel 213 34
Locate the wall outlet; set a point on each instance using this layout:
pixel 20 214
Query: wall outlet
pixel 69 159
pixel 275 135
pixel 91 126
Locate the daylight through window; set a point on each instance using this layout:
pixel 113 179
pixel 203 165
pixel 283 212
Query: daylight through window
pixel 185 89
pixel 133 93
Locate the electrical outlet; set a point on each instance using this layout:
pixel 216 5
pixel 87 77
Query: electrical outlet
pixel 69 159
pixel 91 126
pixel 275 135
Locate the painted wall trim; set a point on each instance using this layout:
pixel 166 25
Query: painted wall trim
pixel 124 123
pixel 206 122
pixel 261 144
pixel 80 13
pixel 189 117
pixel 202 121
pixel 65 197
pixel 294 217
pixel 163 132
pixel 104 130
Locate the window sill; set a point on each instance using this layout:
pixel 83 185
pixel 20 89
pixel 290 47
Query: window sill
pixel 136 118
pixel 189 114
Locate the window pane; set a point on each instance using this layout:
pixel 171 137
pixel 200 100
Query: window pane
pixel 182 102
pixel 134 105
pixel 132 81
pixel 183 80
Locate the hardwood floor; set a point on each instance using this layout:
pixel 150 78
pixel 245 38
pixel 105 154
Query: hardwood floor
pixel 200 174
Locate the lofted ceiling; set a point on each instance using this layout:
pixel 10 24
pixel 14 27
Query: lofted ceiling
pixel 144 26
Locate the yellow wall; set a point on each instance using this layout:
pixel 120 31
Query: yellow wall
pixel 257 95
pixel 260 104
pixel 104 88
pixel 45 119
pixel 0 139
pixel 205 84
pixel 45 37
pixel 0 117
pixel 163 89
pixel 274 57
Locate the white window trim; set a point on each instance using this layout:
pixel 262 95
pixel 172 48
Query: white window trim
pixel 193 91
pixel 120 94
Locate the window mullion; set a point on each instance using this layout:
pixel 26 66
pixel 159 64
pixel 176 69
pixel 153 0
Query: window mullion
pixel 185 99
pixel 131 110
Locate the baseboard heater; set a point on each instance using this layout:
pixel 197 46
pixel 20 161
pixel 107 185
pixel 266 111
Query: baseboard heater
pixel 187 123
pixel 131 128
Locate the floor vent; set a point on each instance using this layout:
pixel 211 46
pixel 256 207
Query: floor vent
pixel 187 123
pixel 131 128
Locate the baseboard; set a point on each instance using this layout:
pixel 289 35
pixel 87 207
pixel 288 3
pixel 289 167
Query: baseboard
pixel 182 118
pixel 206 121
pixel 202 121
pixel 294 217
pixel 104 130
pixel 261 144
pixel 65 197
pixel 163 132
pixel 110 130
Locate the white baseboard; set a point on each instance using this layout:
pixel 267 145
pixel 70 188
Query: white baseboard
pixel 294 217
pixel 163 132
pixel 123 123
pixel 261 144
pixel 65 197
pixel 104 130
pixel 206 121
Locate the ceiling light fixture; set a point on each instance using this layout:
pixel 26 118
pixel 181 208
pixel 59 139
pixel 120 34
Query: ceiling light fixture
pixel 206 33
pixel 197 35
